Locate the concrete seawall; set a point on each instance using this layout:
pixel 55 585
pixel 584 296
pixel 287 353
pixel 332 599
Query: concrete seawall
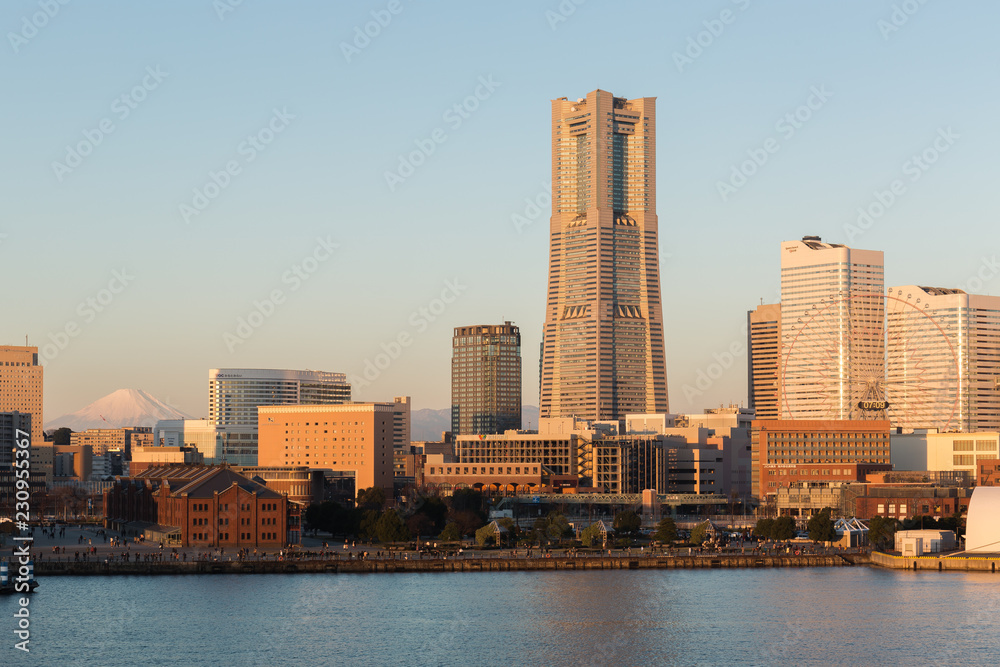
pixel 947 563
pixel 470 564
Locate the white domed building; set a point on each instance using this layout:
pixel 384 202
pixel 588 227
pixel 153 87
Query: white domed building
pixel 982 528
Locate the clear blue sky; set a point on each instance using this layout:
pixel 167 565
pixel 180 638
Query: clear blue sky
pixel 215 82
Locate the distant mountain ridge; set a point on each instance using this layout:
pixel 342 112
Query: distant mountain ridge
pixel 125 407
pixel 428 424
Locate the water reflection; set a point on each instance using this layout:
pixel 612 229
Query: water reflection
pixel 664 617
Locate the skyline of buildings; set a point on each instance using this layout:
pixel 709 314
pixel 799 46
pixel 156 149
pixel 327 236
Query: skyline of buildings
pixel 602 345
pixel 817 361
pixel 486 379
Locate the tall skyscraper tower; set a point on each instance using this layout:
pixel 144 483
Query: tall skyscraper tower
pixel 486 379
pixel 943 359
pixel 832 331
pixel 764 373
pixel 603 353
pixel 21 385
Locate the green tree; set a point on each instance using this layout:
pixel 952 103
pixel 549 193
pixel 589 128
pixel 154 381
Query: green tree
pixel 764 530
pixel 371 499
pixel 821 526
pixel 467 521
pixel 420 524
pixel 484 535
pixel 784 528
pixel 367 525
pixel 435 510
pixel 955 522
pixel 591 536
pixel 451 533
pixel 557 526
pixel 390 528
pixel 513 533
pixel 699 533
pixel 627 523
pixel 666 531
pixel 881 531
pixel 331 517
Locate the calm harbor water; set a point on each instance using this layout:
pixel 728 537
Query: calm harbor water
pixel 665 617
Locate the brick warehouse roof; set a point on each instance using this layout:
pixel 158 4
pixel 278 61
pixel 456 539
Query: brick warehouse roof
pixel 220 479
pixel 202 481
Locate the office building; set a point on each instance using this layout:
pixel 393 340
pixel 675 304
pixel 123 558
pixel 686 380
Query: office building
pixel 150 457
pixel 443 474
pixel 21 385
pixel 13 426
pixel 401 423
pixel 72 463
pixel 603 352
pixel 485 379
pixel 355 438
pixel 104 440
pixel 832 332
pixel 234 394
pixel 943 359
pixel 764 359
pixel 201 434
pixel 595 456
pixel 780 446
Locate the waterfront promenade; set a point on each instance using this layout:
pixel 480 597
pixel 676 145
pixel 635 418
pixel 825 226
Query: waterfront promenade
pixel 464 563
pixel 88 551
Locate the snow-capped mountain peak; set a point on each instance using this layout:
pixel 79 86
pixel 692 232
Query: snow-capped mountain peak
pixel 125 407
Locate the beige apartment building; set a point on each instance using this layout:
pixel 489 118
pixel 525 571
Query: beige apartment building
pixel 351 437
pixel 21 385
pixel 602 352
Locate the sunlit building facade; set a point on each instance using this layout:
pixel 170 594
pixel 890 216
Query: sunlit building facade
pixel 234 394
pixel 781 446
pixel 832 331
pixel 485 379
pixel 603 351
pixel 21 385
pixel 355 438
pixel 943 359
pixel 764 372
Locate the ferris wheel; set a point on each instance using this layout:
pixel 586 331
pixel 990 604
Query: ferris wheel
pixel 870 356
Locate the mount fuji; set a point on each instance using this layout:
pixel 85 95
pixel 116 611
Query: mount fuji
pixel 125 407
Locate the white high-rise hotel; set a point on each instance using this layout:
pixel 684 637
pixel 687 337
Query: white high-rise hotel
pixel 832 333
pixel 922 357
pixel 943 358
